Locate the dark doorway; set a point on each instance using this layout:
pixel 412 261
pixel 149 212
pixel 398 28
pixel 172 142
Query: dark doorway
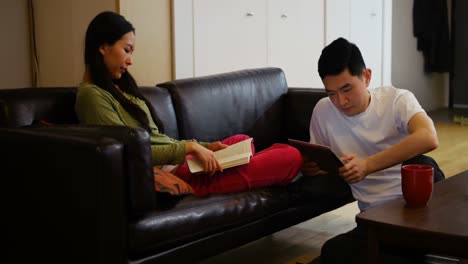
pixel 458 94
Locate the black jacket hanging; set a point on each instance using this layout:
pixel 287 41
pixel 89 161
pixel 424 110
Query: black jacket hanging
pixel 430 27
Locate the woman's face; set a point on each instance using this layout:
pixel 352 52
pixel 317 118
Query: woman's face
pixel 118 57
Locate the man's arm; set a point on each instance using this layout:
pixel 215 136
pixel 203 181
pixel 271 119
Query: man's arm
pixel 422 139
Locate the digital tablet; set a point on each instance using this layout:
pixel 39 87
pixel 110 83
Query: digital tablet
pixel 322 155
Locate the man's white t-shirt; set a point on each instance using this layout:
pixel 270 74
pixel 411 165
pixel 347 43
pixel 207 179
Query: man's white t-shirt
pixel 382 125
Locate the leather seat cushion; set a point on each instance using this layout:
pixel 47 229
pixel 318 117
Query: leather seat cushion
pixel 189 218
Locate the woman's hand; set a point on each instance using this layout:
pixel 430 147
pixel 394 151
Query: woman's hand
pixel 205 156
pixel 217 145
pixel 354 170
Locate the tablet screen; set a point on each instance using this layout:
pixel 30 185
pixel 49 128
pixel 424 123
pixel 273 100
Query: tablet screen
pixel 322 155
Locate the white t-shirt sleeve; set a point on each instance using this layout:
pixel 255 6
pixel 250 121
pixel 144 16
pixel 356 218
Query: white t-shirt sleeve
pixel 405 106
pixel 316 130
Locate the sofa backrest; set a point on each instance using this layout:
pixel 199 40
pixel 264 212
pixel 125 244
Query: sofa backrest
pixel 214 107
pixel 28 106
pixel 204 108
pixel 299 105
pixel 162 103
pixel 31 106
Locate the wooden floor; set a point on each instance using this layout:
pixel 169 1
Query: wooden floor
pixel 452 153
pixel 302 243
pixel 298 244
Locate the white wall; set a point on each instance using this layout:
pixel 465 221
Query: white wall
pixel 366 23
pixel 15 66
pixel 60 33
pixel 63 56
pixel 408 65
pixel 152 60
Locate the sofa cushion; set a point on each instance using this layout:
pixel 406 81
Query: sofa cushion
pixel 243 102
pixel 169 183
pixel 189 218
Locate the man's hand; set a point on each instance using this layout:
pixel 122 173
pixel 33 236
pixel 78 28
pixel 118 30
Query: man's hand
pixel 354 170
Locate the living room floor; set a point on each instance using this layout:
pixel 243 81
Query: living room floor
pixel 301 243
pixel 298 244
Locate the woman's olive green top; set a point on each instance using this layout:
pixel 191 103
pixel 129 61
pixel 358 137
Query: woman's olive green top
pixel 95 106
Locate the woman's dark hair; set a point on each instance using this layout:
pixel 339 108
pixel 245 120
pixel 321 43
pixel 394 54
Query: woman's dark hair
pixel 339 55
pixel 107 28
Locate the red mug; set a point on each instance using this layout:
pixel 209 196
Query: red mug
pixel 417 183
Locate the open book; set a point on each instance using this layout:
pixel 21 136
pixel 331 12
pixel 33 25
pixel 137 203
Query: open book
pixel 234 155
pixel 322 155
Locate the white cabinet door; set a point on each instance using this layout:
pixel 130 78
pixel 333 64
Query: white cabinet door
pixel 336 20
pixel 229 35
pixel 361 22
pixel 296 39
pixel 367 32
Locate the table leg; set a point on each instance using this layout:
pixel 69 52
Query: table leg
pixel 373 246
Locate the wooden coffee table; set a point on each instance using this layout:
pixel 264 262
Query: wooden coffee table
pixel 441 227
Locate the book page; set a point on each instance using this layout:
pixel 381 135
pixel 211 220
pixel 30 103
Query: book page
pixel 234 155
pixel 243 147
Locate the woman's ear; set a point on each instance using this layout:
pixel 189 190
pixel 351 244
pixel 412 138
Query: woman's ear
pixel 103 48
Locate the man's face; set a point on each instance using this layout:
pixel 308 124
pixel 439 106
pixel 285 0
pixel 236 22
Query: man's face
pixel 349 93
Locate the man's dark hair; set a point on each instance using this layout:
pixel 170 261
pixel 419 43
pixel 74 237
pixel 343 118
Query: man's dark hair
pixel 339 55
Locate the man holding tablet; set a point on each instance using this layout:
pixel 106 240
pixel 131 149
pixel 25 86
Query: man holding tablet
pixel 372 131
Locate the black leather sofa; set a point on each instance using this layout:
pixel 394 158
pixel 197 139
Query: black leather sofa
pixel 84 194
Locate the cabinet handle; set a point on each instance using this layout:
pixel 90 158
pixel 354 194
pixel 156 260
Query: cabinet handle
pixel 250 14
pixel 373 14
pixel 284 15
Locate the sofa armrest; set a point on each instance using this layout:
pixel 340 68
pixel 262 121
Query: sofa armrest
pixel 300 103
pixel 66 189
pixel 137 159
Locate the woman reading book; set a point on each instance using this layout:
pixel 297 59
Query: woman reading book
pixel 108 95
